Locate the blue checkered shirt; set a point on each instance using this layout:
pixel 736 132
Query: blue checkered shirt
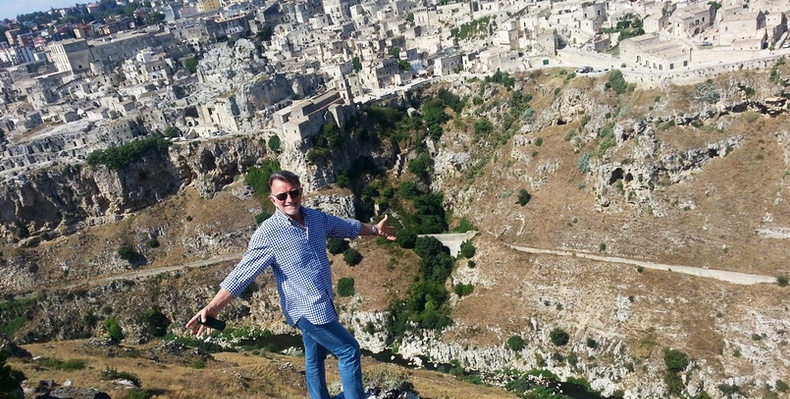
pixel 298 258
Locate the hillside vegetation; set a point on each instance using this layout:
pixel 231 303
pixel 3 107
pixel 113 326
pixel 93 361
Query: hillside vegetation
pixel 691 175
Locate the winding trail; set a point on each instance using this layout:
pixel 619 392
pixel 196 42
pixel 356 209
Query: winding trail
pixel 723 275
pixel 454 241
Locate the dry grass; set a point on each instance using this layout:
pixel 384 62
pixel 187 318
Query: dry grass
pixel 226 375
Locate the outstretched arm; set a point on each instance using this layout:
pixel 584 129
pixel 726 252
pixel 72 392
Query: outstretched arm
pixel 379 229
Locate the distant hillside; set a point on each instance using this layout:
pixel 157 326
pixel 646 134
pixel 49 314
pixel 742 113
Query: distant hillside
pixel 685 175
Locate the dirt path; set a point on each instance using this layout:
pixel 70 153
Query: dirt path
pixel 730 277
pixel 454 241
pixel 159 270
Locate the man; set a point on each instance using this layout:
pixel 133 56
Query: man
pixel 293 243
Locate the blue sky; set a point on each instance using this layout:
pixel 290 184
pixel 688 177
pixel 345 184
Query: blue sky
pixel 11 8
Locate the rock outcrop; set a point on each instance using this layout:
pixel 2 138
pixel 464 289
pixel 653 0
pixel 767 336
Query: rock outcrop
pixel 63 199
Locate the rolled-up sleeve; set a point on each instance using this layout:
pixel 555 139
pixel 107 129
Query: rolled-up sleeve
pixel 257 258
pixel 342 228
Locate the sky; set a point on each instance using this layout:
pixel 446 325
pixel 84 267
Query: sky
pixel 11 8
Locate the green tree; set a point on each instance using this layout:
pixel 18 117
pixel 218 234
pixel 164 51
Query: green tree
pixel 345 286
pixel 275 144
pixel 406 239
pixel 336 246
pixel 467 249
pixel 357 64
pixel 352 257
pixel 114 330
pixel 410 17
pixel 265 33
pixel 617 82
pixel 421 166
pixel 191 64
pixel 523 197
pixel 126 252
pixel 155 322
pixel 118 157
pixel 257 177
pixel 559 337
pixel 675 360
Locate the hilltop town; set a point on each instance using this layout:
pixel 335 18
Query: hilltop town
pixel 101 74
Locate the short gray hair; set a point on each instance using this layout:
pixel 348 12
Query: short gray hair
pixel 286 176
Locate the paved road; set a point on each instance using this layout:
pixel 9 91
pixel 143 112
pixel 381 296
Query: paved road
pixel 730 277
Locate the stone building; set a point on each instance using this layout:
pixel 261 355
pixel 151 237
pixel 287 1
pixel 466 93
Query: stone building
pixel 743 29
pixel 305 119
pixel 691 21
pixel 72 55
pixel 653 52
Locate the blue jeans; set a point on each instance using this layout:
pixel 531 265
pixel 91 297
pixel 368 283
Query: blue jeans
pixel 332 337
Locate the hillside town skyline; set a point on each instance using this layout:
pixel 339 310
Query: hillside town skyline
pixel 93 75
pixel 12 9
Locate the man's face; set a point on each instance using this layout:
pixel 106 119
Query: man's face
pixel 286 197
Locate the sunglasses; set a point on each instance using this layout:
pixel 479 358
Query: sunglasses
pixel 294 193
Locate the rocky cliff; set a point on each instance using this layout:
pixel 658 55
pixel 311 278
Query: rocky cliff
pixel 66 198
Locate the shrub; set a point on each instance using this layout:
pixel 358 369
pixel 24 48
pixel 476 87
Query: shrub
pixel 483 127
pixel 126 252
pixel 617 82
pixel 114 330
pixel 729 390
pixel 67 365
pixel 782 386
pixel 515 343
pixel 191 64
pixel 674 383
pixel 274 144
pixel 345 286
pixel 583 163
pixel 464 225
pixel 336 246
pixel 408 190
pixel 257 177
pixel 559 337
pixel 155 322
pixel 343 181
pixel 421 166
pixel 152 243
pixel 467 249
pixel 782 281
pixel 463 289
pixel 406 239
pixel 706 92
pixel 572 359
pixel 198 364
pixel 352 257
pixel 675 360
pixel 123 155
pixel 523 197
